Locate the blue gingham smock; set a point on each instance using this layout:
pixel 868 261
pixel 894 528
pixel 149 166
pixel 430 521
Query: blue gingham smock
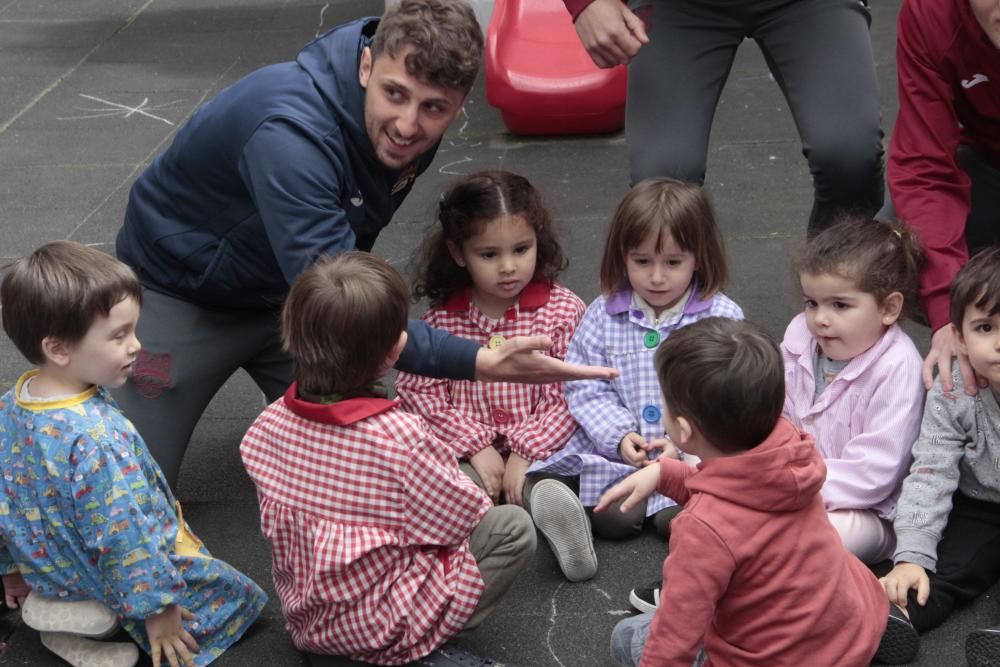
pixel 614 334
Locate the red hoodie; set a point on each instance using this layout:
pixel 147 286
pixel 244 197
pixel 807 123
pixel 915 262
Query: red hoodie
pixel 949 93
pixel 756 572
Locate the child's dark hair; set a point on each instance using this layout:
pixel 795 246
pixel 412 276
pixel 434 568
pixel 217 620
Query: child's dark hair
pixel 726 377
pixel 664 206
pixel 977 284
pixel 58 291
pixel 880 257
pixel 465 209
pixel 341 320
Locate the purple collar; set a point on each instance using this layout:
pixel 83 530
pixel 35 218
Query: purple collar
pixel 621 302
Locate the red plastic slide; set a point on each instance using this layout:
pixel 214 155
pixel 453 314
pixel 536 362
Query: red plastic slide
pixel 540 76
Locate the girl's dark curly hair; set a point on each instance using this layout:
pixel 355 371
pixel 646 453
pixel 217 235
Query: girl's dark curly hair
pixel 470 204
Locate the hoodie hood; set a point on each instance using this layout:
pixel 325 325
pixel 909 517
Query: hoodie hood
pixel 332 61
pixel 787 468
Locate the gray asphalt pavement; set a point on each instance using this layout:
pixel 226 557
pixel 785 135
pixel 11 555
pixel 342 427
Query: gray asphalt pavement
pixel 92 90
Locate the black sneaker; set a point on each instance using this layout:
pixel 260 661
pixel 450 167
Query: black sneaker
pixel 646 598
pixel 450 655
pixel 982 647
pixel 900 642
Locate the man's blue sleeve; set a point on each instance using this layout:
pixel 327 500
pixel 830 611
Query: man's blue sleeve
pixel 437 354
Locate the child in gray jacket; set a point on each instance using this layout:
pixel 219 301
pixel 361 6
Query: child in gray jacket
pixel 948 518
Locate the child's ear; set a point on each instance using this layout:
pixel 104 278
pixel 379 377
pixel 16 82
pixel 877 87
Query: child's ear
pixel 456 253
pixel 397 349
pixel 959 340
pixel 56 351
pixel 892 307
pixel 685 430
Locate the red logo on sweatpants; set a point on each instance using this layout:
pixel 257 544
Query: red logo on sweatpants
pixel 151 375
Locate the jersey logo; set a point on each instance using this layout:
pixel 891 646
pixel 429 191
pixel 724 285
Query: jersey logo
pixel 974 81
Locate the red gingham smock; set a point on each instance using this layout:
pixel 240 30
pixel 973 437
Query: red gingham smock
pixel 369 520
pixel 533 419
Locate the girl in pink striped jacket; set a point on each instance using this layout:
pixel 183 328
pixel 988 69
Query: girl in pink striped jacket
pixel 852 375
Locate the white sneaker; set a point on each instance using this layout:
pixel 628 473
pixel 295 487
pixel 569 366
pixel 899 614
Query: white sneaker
pixel 82 652
pixel 89 618
pixel 559 514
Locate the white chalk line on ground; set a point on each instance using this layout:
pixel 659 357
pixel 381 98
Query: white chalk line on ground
pixel 156 149
pixel 552 626
pixel 62 77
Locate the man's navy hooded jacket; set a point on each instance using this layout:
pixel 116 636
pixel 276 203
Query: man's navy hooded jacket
pixel 273 173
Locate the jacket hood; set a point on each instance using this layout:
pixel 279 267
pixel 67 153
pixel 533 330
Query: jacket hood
pixel 332 61
pixel 787 470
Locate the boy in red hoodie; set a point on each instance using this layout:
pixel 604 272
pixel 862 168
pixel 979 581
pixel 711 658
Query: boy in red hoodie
pixel 756 573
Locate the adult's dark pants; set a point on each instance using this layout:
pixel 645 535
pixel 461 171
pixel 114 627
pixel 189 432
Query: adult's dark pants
pixel 968 561
pixel 820 54
pixel 188 353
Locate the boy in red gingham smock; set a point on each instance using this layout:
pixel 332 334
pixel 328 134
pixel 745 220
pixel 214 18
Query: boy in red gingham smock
pixel 378 540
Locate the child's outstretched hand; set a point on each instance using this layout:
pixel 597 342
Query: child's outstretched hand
pixel 633 449
pixel 903 577
pixel 489 464
pixel 638 486
pixel 15 589
pixel 169 639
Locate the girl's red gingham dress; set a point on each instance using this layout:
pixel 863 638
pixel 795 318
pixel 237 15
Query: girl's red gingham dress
pixel 532 420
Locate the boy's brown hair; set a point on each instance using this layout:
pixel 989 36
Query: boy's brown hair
pixel 976 284
pixel 663 206
pixel 58 291
pixel 341 320
pixel 726 377
pixel 446 41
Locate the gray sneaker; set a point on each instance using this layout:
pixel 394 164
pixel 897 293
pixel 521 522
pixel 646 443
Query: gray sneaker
pixel 82 652
pixel 452 656
pixel 559 514
pixel 89 618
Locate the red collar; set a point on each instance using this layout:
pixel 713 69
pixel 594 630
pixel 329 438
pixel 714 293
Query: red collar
pixel 534 295
pixel 341 413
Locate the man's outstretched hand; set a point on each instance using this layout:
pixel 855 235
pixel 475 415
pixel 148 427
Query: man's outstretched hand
pixel 522 359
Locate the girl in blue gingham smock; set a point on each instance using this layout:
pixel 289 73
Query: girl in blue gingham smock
pixel 663 267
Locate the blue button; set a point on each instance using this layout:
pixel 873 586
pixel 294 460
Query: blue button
pixel 651 414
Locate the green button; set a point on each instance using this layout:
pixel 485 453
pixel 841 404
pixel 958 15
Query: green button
pixel 651 339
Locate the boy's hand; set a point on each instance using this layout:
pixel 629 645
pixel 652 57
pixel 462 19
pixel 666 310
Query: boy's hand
pixel 167 637
pixel 15 589
pixel 513 478
pixel 670 450
pixel 638 486
pixel 489 464
pixel 903 577
pixel 633 449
